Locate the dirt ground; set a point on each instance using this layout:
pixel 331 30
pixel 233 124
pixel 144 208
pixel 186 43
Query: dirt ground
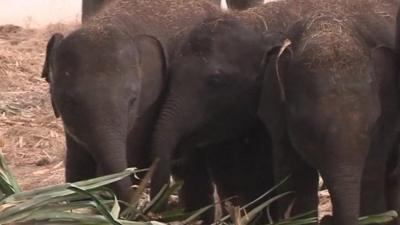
pixel 31 138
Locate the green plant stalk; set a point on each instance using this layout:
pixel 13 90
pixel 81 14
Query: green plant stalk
pixel 62 189
pixel 8 183
pixel 99 205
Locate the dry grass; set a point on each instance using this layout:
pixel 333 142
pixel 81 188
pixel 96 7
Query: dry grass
pixel 32 138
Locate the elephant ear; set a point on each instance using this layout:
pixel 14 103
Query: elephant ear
pixel 152 68
pixel 386 72
pixel 397 36
pixel 272 95
pixel 46 72
pixel 275 45
pixel 50 49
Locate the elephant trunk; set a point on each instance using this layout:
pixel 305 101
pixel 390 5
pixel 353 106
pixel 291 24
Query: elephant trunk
pixel 108 146
pixel 167 135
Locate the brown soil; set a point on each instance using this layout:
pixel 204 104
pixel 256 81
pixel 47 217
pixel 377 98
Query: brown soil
pixel 33 141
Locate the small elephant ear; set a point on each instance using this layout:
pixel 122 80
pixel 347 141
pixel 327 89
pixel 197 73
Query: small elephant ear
pixel 152 67
pixel 272 95
pixel 386 69
pixel 273 44
pixel 51 46
pixel 46 72
pixel 397 37
pixel 276 45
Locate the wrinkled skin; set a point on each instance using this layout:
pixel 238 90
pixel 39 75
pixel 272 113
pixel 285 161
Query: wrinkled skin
pixel 99 117
pixel 200 106
pixel 329 113
pixel 391 69
pixel 345 102
pixel 237 167
pixel 106 80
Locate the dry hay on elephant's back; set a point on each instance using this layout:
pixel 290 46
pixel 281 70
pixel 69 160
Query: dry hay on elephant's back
pixel 279 16
pixel 331 41
pixel 164 19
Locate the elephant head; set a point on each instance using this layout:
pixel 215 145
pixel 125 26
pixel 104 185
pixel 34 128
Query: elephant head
pixel 101 81
pixel 213 89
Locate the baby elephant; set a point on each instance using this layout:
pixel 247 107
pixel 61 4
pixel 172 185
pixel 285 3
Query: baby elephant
pixel 240 168
pixel 105 80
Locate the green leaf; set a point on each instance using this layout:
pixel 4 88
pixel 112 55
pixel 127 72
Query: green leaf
pixel 8 183
pixel 266 193
pixel 99 205
pixel 197 213
pixel 161 199
pixel 62 190
pixel 253 213
pixel 379 218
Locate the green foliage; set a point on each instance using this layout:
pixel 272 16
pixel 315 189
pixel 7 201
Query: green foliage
pixel 91 202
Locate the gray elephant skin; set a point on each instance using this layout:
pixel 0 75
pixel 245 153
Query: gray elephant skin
pixel 392 185
pixel 183 121
pixel 105 80
pixel 329 102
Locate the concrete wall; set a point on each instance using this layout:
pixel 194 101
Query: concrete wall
pixel 38 13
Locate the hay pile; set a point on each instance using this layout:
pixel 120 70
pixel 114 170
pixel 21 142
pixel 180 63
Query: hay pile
pixel 30 136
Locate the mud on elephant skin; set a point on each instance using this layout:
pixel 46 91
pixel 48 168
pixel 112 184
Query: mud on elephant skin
pixel 106 78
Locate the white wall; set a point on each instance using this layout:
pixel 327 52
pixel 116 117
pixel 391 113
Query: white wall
pixel 38 13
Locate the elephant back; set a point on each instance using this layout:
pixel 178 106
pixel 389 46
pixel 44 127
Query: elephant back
pixel 164 19
pixel 280 16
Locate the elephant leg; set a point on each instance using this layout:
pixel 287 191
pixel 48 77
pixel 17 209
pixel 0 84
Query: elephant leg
pixel 393 195
pixel 197 190
pixel 303 181
pixel 79 164
pixel 373 181
pixel 392 188
pixel 344 183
